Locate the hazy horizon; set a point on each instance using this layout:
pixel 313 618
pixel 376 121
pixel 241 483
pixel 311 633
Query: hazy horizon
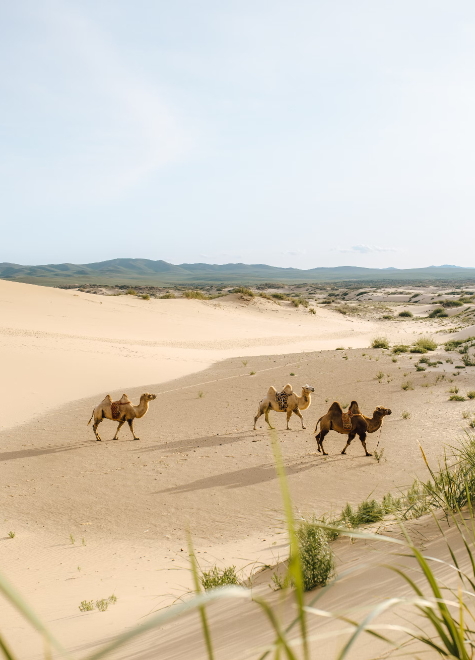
pixel 305 135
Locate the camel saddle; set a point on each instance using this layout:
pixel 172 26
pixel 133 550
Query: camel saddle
pixel 115 408
pixel 346 420
pixel 282 398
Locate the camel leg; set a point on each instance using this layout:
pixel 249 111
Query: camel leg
pixel 121 424
pixel 94 428
pixel 259 413
pixel 320 438
pixel 289 415
pixel 130 422
pixel 351 436
pixel 266 415
pixel 299 414
pixel 362 437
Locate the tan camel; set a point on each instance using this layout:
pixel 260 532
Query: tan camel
pixel 360 424
pixel 124 412
pixel 291 403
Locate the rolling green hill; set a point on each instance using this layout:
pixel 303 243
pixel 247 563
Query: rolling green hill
pixel 156 273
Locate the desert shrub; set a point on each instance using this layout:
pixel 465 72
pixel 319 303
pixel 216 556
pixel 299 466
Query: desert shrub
pixel 145 296
pixel 369 511
pixel 11 535
pixel 316 557
pixel 471 395
pixel 102 604
pixel 280 296
pixel 362 293
pixel 131 292
pixel 244 290
pixel 405 414
pixel 380 342
pixel 437 312
pixel 265 295
pixel 86 606
pixel 451 303
pixel 167 296
pixel 406 314
pixel 400 348
pixel 456 397
pixel 386 317
pixel 299 301
pixel 407 385
pixel 199 295
pixel 425 343
pixel 312 310
pixel 219 577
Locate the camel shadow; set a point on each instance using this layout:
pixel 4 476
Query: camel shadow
pixel 204 442
pixel 239 478
pixel 32 453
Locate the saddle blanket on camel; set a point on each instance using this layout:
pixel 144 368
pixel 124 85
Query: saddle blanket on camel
pixel 282 398
pixel 346 419
pixel 115 408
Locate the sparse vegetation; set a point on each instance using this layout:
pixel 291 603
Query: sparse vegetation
pixel 243 290
pixel 407 385
pixel 219 577
pixel 316 556
pixel 72 539
pixel 200 394
pixel 167 296
pixel 131 292
pixel 471 394
pixel 423 344
pixel 380 342
pixel 456 397
pixel 401 348
pixel 102 604
pixel 86 606
pixel 11 535
pixel 406 314
pixel 405 414
pixel 198 295
pixel 145 296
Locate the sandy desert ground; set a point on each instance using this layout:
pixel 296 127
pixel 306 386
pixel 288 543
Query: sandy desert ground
pixel 94 519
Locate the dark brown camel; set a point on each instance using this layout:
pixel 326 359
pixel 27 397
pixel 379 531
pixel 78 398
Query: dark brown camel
pixel 360 424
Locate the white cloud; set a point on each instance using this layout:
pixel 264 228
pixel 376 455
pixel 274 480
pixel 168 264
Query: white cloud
pixel 366 249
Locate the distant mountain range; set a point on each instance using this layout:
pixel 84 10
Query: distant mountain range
pixel 146 271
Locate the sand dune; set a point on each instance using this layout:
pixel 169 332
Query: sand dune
pixel 59 345
pixel 91 519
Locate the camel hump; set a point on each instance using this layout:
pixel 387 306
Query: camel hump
pixel 124 399
pixel 354 408
pixel 336 408
pixel 271 392
pixel 288 389
pixel 107 399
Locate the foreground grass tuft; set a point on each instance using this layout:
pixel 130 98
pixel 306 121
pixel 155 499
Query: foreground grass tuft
pixel 219 577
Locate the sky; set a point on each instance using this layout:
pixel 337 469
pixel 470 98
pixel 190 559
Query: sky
pixel 304 134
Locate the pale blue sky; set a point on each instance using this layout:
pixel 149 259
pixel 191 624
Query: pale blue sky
pixel 305 133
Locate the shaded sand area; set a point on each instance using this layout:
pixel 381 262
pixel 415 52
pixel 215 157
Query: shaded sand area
pixel 94 519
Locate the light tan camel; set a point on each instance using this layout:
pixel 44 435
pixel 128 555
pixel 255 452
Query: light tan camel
pixel 360 424
pixel 126 412
pixel 293 404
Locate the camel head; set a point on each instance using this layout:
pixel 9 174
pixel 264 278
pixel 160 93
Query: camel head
pixel 308 389
pixel 382 411
pixel 148 397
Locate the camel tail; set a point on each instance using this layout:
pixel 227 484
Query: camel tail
pixel 90 417
pixel 316 425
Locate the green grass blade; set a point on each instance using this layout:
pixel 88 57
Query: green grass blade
pixel 294 569
pixel 168 615
pixel 202 610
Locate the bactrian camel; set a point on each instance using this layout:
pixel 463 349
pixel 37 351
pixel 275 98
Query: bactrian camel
pixel 124 412
pixel 360 424
pixel 294 404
